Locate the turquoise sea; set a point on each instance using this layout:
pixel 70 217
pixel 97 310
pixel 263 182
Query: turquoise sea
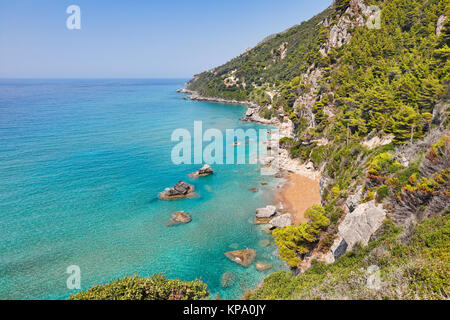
pixel 81 165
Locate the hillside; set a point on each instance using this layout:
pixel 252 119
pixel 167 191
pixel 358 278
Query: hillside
pixel 368 104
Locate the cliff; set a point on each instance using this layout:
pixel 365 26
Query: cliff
pixel 364 87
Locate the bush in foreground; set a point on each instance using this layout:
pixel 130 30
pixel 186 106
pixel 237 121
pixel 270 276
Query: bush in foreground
pixel 156 287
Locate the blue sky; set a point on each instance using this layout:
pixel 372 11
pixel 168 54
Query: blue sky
pixel 137 38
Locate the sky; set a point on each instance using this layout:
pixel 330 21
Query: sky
pixel 137 38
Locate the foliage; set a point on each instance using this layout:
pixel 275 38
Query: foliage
pixel 413 266
pixel 293 241
pixel 156 287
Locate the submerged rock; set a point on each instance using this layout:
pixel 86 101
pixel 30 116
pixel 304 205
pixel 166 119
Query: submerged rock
pixel 180 190
pixel 266 212
pixel 253 189
pixel 179 217
pixel 281 221
pixel 228 279
pixel 243 257
pixel 206 170
pixel 262 266
pixel 264 243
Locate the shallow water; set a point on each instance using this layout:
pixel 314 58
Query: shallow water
pixel 81 166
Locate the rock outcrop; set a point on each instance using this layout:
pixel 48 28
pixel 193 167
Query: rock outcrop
pixel 206 170
pixel 242 257
pixel 440 25
pixel 179 217
pixel 354 200
pixel 267 212
pixel 280 221
pixel 357 227
pixel 180 190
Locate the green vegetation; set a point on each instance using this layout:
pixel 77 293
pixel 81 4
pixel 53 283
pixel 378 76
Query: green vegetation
pixel 413 265
pixel 266 65
pixel 156 287
pixel 294 241
pixel 382 84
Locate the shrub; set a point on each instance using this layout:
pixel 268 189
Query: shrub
pixel 156 287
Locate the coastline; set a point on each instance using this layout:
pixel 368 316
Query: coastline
pixel 301 188
pixel 289 196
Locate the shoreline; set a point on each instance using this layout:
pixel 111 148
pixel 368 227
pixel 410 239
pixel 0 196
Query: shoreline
pixel 301 188
pixel 298 194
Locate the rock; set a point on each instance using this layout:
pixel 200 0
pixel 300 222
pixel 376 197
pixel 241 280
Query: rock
pixel 309 166
pixel 179 217
pixel 180 190
pixel 249 112
pixel 264 243
pixel 261 220
pixel 358 226
pixel 281 221
pixel 262 266
pixel 253 189
pixel 263 183
pixel 440 25
pixel 243 257
pixel 228 279
pixel 266 212
pixel 354 200
pixel 206 170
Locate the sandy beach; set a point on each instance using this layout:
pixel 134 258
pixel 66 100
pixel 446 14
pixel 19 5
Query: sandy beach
pixel 298 194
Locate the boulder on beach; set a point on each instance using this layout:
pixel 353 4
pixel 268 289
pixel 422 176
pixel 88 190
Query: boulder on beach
pixel 206 170
pixel 266 212
pixel 281 221
pixel 228 279
pixel 262 266
pixel 243 257
pixel 179 217
pixel 180 190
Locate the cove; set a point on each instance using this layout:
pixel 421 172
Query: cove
pixel 81 165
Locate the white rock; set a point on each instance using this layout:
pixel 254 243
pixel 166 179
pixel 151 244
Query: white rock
pixel 281 221
pixel 266 212
pixel 360 224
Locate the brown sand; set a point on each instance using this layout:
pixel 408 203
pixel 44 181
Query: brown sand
pixel 298 194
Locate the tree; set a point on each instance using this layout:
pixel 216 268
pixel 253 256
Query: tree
pixel 293 241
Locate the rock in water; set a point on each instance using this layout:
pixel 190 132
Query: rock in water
pixel 206 170
pixel 262 266
pixel 180 190
pixel 281 221
pixel 264 243
pixel 228 279
pixel 266 212
pixel 243 257
pixel 179 217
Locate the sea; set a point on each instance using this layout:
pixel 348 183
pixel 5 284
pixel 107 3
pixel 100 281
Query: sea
pixel 82 162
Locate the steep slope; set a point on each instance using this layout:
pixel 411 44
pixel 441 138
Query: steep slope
pixel 364 86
